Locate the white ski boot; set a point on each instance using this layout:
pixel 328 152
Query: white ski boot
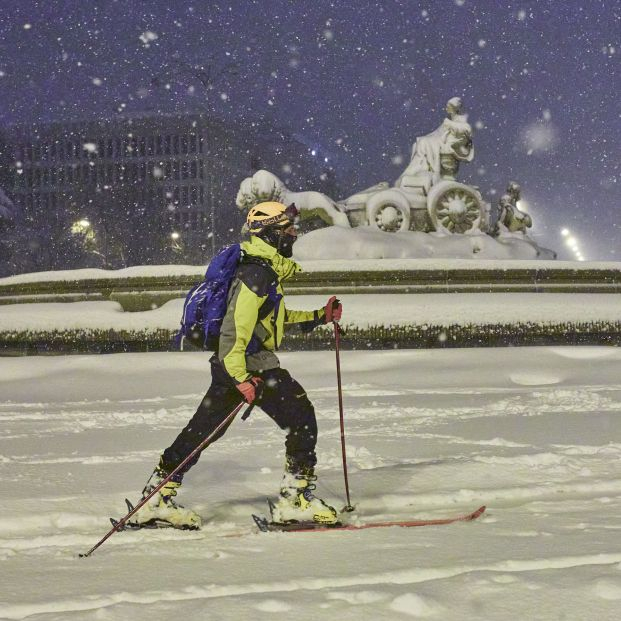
pixel 297 503
pixel 161 510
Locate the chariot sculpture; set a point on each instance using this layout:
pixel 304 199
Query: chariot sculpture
pixel 426 197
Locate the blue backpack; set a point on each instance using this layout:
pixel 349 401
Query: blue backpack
pixel 205 303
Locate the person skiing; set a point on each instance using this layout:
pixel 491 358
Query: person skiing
pixel 243 371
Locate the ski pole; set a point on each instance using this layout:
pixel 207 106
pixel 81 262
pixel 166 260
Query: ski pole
pixel 119 525
pixel 337 340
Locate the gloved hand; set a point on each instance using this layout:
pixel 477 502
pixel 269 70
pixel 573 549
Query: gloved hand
pixel 333 310
pixel 250 389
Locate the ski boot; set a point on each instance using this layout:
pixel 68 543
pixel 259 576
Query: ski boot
pixel 161 510
pixel 297 503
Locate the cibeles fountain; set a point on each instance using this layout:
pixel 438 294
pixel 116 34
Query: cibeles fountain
pixel 427 213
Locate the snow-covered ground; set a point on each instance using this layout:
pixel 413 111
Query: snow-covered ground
pixel 533 433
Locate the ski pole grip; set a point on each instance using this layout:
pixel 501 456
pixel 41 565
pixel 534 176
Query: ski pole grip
pixel 257 393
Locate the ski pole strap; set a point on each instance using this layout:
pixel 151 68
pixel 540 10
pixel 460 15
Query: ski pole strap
pixel 248 411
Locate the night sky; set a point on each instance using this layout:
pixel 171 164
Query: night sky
pixel 358 81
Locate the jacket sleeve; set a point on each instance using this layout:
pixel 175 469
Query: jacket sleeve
pixel 306 321
pixel 237 329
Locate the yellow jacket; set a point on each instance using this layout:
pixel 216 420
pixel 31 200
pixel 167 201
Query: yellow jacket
pixel 250 313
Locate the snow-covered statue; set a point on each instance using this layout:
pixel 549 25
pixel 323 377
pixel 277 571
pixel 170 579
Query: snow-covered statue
pixel 427 197
pixel 437 155
pixel 316 209
pixel 510 218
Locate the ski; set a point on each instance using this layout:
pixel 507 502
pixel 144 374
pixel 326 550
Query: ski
pixel 265 525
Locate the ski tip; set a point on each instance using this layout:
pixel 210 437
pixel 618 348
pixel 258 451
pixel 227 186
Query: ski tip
pixel 261 523
pixel 480 511
pixel 130 507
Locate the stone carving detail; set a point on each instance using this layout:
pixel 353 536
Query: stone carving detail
pixel 510 218
pixel 437 155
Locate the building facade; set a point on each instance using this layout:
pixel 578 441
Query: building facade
pixel 154 188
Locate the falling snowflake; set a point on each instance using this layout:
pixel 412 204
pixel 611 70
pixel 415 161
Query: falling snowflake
pixel 147 37
pixel 539 137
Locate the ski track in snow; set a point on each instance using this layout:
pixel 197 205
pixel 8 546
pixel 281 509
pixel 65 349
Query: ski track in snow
pixel 533 433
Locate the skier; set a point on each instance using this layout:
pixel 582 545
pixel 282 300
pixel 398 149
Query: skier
pixel 254 310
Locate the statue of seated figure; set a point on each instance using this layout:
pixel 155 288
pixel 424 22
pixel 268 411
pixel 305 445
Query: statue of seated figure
pixel 510 218
pixel 437 155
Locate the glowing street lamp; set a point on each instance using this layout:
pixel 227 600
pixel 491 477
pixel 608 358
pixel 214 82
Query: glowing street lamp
pixel 80 227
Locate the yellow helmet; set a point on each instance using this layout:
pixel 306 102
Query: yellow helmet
pixel 270 213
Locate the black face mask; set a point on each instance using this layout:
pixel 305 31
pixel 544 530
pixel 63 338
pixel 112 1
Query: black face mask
pixel 277 238
pixel 285 245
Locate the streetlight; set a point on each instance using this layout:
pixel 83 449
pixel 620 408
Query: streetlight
pixel 176 241
pixel 80 227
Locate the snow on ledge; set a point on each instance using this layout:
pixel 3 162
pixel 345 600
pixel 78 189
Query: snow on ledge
pixel 334 265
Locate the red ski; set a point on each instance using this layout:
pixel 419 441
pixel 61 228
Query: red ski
pixel 297 527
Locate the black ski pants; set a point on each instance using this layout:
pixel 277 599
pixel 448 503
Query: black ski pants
pixel 283 399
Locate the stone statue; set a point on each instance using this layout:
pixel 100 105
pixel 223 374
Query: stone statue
pixel 437 155
pixel 510 218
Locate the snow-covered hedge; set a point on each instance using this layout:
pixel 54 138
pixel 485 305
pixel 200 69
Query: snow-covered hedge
pixel 371 337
